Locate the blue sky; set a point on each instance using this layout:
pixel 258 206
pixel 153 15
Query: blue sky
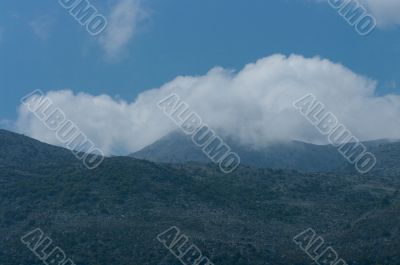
pixel 178 38
pixel 43 47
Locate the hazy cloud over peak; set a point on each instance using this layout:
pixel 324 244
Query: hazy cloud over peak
pixel 253 106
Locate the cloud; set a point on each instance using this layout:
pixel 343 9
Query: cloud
pixel 122 27
pixel 253 106
pixel 386 12
pixel 41 27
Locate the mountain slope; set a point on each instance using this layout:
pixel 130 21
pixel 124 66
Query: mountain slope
pixel 178 148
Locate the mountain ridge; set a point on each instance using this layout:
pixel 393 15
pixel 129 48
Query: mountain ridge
pixel 296 155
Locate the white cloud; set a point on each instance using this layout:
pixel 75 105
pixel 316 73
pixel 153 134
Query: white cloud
pixel 122 26
pixel 254 106
pixel 41 27
pixel 386 12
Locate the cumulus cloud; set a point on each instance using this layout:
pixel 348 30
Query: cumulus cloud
pixel 121 28
pixel 252 106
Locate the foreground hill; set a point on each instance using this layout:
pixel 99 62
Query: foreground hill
pixel 20 151
pixel 112 215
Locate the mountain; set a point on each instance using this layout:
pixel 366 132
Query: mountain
pixel 113 214
pixel 295 155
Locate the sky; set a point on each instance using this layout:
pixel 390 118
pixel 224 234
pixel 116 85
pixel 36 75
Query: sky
pixel 148 44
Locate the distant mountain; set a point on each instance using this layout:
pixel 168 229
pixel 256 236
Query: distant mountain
pixel 178 148
pixel 112 215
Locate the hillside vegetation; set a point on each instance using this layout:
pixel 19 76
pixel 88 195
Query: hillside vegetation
pixel 112 215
